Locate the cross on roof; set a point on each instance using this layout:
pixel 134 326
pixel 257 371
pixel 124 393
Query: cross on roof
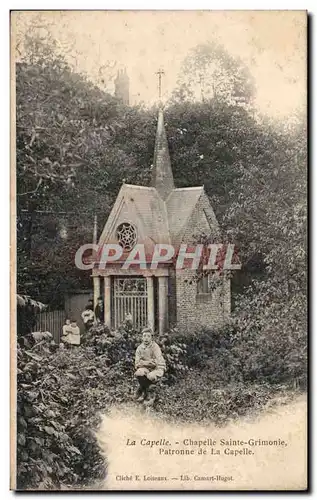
pixel 160 73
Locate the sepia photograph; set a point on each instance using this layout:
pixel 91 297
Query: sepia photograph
pixel 159 250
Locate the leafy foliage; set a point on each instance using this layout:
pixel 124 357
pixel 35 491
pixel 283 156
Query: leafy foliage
pixel 59 405
pixel 209 71
pixel 55 443
pixel 207 401
pixel 269 221
pixel 73 153
pixel 76 144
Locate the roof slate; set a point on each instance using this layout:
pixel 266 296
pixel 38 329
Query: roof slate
pixel 180 205
pixel 162 175
pixel 161 221
pixel 147 206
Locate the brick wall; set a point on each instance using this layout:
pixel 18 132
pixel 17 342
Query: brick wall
pixel 172 307
pixel 194 310
pixel 187 308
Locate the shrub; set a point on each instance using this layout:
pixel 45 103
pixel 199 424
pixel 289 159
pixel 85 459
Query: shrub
pixel 208 400
pixel 56 403
pixel 62 392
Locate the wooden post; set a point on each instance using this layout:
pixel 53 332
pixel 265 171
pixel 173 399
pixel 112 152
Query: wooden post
pixel 96 282
pixel 163 303
pixel 95 279
pixel 95 230
pixel 150 302
pixel 107 301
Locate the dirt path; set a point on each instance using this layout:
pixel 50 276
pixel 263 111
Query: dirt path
pixel 279 467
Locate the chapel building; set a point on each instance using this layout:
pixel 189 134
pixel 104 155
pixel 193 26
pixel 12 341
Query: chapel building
pixel 160 213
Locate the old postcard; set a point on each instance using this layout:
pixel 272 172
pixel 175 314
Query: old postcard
pixel 159 249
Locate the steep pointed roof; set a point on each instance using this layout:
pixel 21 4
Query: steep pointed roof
pixel 146 206
pixel 161 213
pixel 180 205
pixel 162 175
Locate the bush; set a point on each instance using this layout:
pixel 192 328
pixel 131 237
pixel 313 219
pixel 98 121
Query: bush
pixel 62 392
pixel 120 348
pixel 54 415
pixel 210 401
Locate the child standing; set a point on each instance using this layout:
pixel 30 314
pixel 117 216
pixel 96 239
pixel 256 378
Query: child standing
pixel 65 330
pixel 72 333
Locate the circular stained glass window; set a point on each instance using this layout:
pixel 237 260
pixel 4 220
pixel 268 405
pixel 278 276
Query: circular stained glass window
pixel 126 234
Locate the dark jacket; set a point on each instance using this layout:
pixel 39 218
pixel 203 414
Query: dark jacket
pixel 99 313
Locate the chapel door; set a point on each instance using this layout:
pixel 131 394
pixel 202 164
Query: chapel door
pixel 129 296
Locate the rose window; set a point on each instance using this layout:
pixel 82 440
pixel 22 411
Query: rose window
pixel 126 234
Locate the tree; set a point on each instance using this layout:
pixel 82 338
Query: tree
pixel 269 220
pixel 207 142
pixel 73 153
pixel 209 71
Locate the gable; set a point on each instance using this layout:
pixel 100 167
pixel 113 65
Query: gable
pixel 205 205
pixel 187 212
pixel 142 207
pixel 202 220
pixel 180 205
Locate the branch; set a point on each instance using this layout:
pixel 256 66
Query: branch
pixel 32 192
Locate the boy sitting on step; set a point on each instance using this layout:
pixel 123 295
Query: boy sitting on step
pixel 150 367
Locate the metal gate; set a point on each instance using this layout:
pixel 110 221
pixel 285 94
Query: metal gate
pixel 129 297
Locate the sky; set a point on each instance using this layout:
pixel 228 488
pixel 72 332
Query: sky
pixel 271 43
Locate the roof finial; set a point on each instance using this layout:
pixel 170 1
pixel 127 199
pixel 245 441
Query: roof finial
pixel 160 73
pixel 95 231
